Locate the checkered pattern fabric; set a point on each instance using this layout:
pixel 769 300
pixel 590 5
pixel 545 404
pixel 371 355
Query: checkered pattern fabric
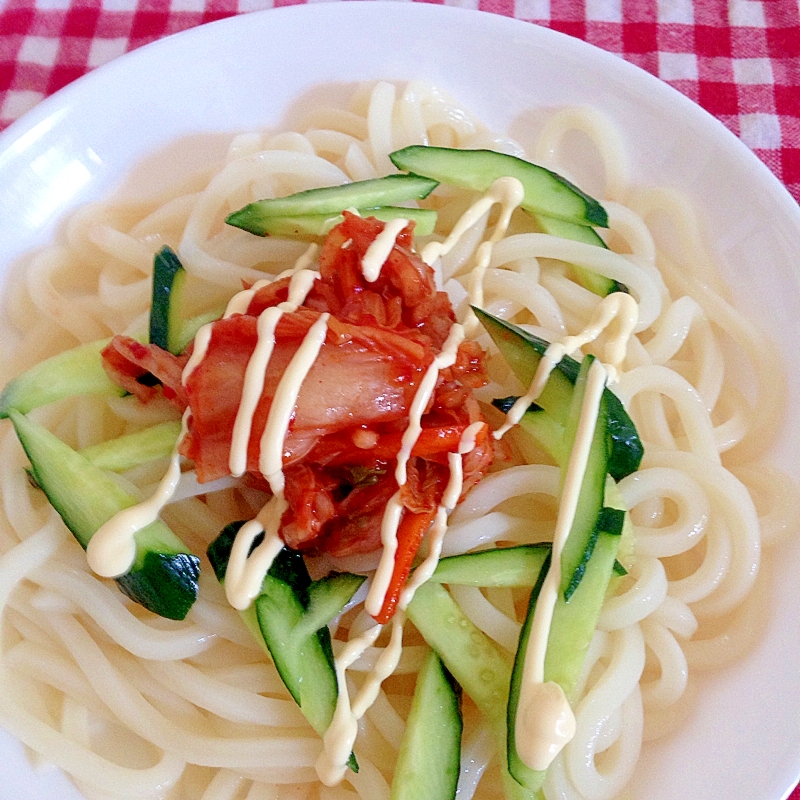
pixel 738 59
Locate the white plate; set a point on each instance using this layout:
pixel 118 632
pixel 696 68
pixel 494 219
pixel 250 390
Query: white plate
pixel 743 740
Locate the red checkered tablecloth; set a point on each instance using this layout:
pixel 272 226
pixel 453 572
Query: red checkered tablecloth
pixel 738 59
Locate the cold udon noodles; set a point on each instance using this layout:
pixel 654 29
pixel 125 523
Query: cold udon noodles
pixel 132 705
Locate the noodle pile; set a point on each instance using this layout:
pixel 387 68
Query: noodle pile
pixel 135 706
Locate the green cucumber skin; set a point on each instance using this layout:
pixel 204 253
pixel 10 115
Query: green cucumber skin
pixel 164 574
pixel 327 597
pixel 571 633
pixel 371 193
pixel 594 282
pixel 74 372
pixel 289 619
pixel 133 449
pixel 540 426
pixel 573 624
pixel 583 534
pixel 314 227
pixel 523 351
pixel 504 566
pixel 472 659
pixel 303 662
pixel 545 191
pixel 525 776
pixel 169 277
pixel 424 770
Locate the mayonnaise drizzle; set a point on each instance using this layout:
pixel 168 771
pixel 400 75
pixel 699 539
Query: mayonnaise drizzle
pixel 391 518
pixel 619 307
pixel 509 193
pixel 284 401
pixel 245 572
pixel 445 358
pixel 245 575
pixel 380 249
pixel 112 549
pixel 383 575
pixel 256 371
pixel 545 722
pixel 340 737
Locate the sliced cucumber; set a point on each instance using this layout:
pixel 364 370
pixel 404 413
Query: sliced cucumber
pixel 326 599
pixel 583 534
pixel 291 616
pixel 502 566
pixel 73 372
pixel 372 193
pixel 429 760
pixel 313 227
pixel 473 660
pixel 594 282
pixel 540 426
pixel 164 574
pixel 572 628
pixel 169 277
pixel 523 351
pixel 133 449
pixel 190 327
pixel 545 192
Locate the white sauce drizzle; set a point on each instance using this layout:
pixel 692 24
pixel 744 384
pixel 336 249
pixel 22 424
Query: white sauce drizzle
pixel 383 575
pixel 445 358
pixel 284 401
pixel 112 549
pixel 545 722
pixel 509 193
pixel 618 306
pixel 340 737
pixel 380 249
pixel 245 573
pixel 256 371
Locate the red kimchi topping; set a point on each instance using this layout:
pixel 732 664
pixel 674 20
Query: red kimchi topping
pixel 340 451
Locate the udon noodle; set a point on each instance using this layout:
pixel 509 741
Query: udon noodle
pixel 135 706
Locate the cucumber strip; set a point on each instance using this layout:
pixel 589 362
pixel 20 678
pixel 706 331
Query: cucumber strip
pixel 303 662
pixel 540 426
pixel 545 191
pixel 164 574
pixel 573 626
pixel 326 599
pixel 627 539
pixel 290 618
pixel 519 770
pixel 333 200
pixel 583 534
pixel 593 281
pixel 502 566
pixel 523 351
pixel 169 277
pixel 133 449
pixel 473 660
pixel 424 770
pixel 73 372
pixel 313 227
pixel 190 327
